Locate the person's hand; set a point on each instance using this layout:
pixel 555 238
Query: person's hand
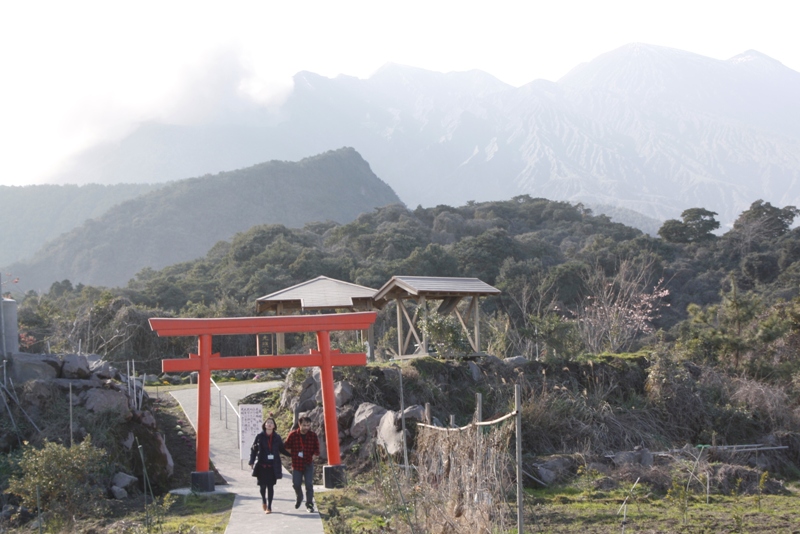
pixel 251 465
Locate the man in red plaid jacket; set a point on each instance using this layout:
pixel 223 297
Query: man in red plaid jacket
pixel 303 443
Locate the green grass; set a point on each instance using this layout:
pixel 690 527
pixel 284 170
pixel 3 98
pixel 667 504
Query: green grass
pixel 204 513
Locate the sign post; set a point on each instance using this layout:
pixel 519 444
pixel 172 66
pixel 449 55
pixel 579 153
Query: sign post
pixel 204 362
pixel 251 417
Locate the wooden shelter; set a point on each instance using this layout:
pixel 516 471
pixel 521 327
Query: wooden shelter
pixel 319 294
pixel 421 289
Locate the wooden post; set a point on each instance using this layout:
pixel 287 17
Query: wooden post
pixel 518 409
pixel 424 304
pixel 428 418
pixel 477 324
pixel 479 446
pixel 452 421
pixel 399 327
pixel 280 339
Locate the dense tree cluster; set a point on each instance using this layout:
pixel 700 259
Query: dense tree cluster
pixel 573 282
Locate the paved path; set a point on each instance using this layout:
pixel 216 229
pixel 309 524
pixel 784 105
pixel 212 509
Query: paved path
pixel 247 517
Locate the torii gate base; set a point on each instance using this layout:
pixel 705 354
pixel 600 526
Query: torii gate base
pixel 204 362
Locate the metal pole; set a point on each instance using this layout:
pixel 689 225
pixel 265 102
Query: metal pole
pixel 518 409
pixel 2 320
pixel 71 442
pixel 89 333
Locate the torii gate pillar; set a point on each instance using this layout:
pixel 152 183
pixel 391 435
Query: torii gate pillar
pixel 204 362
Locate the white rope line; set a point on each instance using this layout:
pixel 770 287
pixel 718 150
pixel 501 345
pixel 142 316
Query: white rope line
pixel 467 427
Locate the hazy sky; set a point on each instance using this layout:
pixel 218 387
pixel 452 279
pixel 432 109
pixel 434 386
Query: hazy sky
pixel 77 72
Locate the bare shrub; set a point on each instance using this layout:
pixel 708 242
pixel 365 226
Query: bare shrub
pixel 466 477
pixel 562 419
pixel 767 402
pixel 726 479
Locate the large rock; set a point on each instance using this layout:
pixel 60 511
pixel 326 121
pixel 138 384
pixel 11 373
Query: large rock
pixel 345 415
pixel 516 361
pixel 119 493
pixel 415 412
pixel 103 369
pixel 368 417
pixel 388 434
pixel 475 371
pixel 169 462
pixel 37 393
pixel 343 392
pixel 309 391
pixel 26 367
pixel 123 480
pixel 75 366
pixel 103 400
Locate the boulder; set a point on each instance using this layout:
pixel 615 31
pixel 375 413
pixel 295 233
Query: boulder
pixel 119 493
pixel 388 435
pixel 102 369
pixel 343 392
pixel 475 371
pixel 102 400
pixel 123 480
pixel 169 462
pixel 128 441
pixel 626 458
pixel 147 419
pixel 75 366
pixel 646 458
pixel 310 392
pixel 26 367
pixel 516 361
pixel 546 475
pixel 367 417
pixel 415 412
pixel 78 384
pixel 345 416
pixel 37 393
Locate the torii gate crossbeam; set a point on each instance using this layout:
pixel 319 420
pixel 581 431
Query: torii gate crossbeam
pixel 204 362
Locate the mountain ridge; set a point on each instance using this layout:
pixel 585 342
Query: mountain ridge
pixel 652 129
pixel 184 219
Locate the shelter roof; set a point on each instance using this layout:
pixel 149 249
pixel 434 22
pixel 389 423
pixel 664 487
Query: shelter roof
pixel 433 287
pixel 318 294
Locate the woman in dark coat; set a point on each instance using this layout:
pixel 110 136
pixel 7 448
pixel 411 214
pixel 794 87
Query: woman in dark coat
pixel 265 460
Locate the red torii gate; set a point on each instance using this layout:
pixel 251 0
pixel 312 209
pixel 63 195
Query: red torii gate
pixel 204 362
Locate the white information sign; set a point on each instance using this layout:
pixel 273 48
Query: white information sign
pixel 252 417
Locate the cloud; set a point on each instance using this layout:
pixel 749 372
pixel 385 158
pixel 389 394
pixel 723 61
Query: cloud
pixel 222 88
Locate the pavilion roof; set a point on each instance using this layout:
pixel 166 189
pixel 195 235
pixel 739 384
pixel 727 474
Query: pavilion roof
pixel 318 294
pixel 432 287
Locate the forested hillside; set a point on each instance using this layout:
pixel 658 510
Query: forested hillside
pixel 32 215
pixel 182 220
pixel 573 283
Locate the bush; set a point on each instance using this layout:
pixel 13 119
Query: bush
pixel 70 480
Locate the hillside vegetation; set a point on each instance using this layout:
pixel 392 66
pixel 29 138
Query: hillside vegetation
pixel 35 214
pixel 182 220
pixel 573 283
pixel 627 339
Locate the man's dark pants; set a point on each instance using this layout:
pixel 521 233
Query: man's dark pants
pixel 306 475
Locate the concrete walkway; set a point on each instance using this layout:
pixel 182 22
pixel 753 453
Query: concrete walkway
pixel 247 517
